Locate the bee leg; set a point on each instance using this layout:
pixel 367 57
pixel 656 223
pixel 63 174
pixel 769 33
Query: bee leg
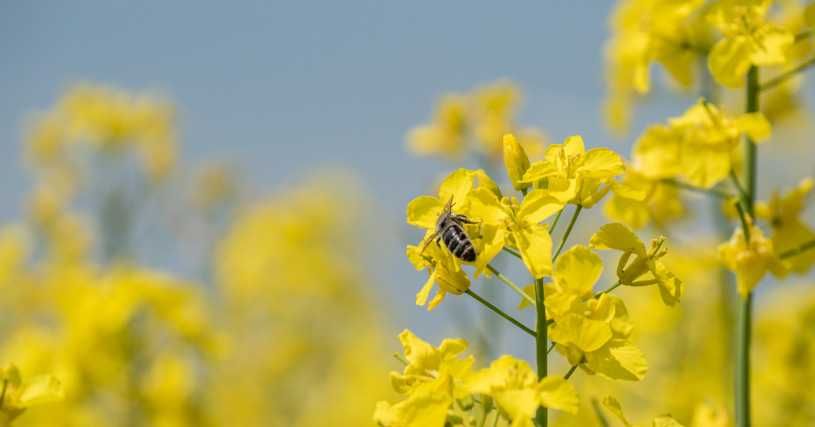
pixel 433 237
pixel 465 220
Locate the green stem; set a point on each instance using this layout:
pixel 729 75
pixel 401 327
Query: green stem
pixel 781 78
pixel 541 342
pixel 554 223
pixel 745 317
pixel 798 250
pixel 568 231
pixel 611 288
pixel 513 252
pixel 709 191
pixel 571 371
pixel 743 362
pixel 500 312
pixel 510 283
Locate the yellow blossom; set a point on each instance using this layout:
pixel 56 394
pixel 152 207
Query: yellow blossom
pixel 639 201
pixel 574 175
pixel 748 40
pixel 431 381
pixel 750 259
pixel 507 222
pixel 638 266
pixel 697 146
pixel 783 213
pixel 517 391
pixel 446 134
pixel 591 331
pixel 613 406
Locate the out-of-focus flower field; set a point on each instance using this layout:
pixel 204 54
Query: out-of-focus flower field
pixel 665 285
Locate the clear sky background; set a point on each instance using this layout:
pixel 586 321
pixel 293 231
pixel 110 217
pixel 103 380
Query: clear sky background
pixel 284 89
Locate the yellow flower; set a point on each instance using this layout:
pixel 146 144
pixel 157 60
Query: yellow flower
pixel 446 134
pixel 432 380
pixel 588 330
pixel 789 231
pixel 516 162
pixel 493 114
pixel 698 145
pixel 16 395
pixel 638 201
pixel 507 222
pixel 647 31
pixel 575 175
pixel 750 260
pixel 638 266
pixel 517 391
pixel 444 271
pixel 749 40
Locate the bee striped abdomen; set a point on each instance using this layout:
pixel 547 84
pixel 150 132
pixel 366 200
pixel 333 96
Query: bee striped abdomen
pixel 457 241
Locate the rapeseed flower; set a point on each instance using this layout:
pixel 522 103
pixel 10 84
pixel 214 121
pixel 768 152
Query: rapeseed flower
pixel 783 213
pixel 574 175
pixel 749 40
pixel 638 266
pixel 750 257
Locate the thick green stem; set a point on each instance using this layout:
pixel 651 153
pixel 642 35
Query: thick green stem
pixel 746 309
pixel 541 344
pixel 500 312
pixel 568 230
pixel 743 362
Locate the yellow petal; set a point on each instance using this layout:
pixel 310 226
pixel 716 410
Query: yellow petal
pixel 538 205
pixel 557 393
pixel 456 185
pixel 423 212
pixel 619 362
pixel 755 125
pixel 617 236
pixel 515 161
pixel 730 59
pixel 706 167
pixel 601 163
pixel 42 389
pixel 424 293
pixel 486 207
pixel 666 421
pixel 535 246
pixel 573 145
pixel 538 171
pixel 656 152
pixel 578 269
pixel 772 45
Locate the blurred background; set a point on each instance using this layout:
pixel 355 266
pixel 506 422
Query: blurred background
pixel 267 185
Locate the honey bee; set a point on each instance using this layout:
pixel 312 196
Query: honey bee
pixel 450 230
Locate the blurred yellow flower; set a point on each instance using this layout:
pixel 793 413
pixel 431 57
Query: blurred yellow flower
pixel 17 395
pixel 750 258
pixel 698 145
pixel 748 40
pixel 783 213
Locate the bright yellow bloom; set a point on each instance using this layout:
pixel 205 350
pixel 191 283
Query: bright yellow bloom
pixel 750 260
pixel 783 213
pixel 517 391
pixel 446 134
pixel 507 222
pixel 431 381
pixel 697 146
pixel 16 395
pixel 638 266
pixel 748 40
pixel 574 175
pixel 445 271
pixel 638 201
pixel 588 330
